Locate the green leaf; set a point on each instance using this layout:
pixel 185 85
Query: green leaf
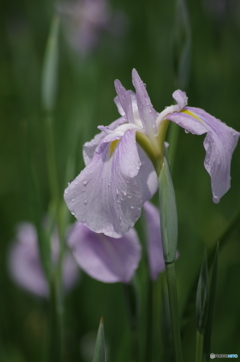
pixel 168 213
pixel 100 349
pixel 202 296
pixel 212 294
pixel 181 44
pixel 50 68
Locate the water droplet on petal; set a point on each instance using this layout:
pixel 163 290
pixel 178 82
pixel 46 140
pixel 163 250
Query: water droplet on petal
pixel 73 200
pixel 85 183
pixel 129 196
pixel 132 207
pixel 85 202
pixel 186 131
pixel 124 193
pixel 66 191
pixel 117 191
pixel 69 182
pixel 73 213
pixel 139 208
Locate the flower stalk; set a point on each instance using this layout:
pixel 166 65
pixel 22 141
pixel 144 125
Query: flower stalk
pixel 174 312
pixel 169 233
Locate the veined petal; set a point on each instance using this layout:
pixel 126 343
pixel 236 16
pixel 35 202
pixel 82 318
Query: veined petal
pixel 146 111
pixel 103 258
pixel 89 147
pixel 219 144
pixel 105 196
pixel 154 240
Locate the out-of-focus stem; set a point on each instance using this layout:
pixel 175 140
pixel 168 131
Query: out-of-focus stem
pixel 173 305
pixel 199 347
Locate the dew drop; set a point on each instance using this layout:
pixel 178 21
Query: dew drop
pixel 66 191
pixel 85 183
pixel 85 202
pixel 73 213
pixel 69 182
pixel 117 191
pixel 84 220
pixel 132 207
pixel 186 131
pixel 76 182
pixel 73 200
pixel 129 196
pixel 139 208
pixel 124 193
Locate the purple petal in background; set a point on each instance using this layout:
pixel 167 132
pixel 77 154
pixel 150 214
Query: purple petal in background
pixel 154 240
pixel 103 258
pixel 25 266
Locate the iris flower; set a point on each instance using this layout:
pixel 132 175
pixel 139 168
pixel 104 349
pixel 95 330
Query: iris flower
pixel 124 160
pixel 25 265
pixel 113 260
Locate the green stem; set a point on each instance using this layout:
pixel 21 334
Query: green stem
pixel 173 304
pixel 56 295
pixel 56 334
pixel 199 347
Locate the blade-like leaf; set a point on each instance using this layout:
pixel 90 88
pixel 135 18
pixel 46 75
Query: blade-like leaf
pixel 168 212
pixel 212 294
pixel 202 296
pixel 100 349
pixel 50 68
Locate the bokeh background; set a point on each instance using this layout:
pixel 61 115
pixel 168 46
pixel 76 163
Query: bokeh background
pixel 133 35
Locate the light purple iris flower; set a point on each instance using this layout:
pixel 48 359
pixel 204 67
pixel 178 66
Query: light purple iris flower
pixel 25 265
pixel 85 20
pixel 115 260
pixel 108 195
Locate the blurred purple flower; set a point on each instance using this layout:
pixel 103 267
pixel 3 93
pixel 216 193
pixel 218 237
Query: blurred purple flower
pixel 85 20
pixel 25 265
pixel 219 9
pixel 115 260
pixel 108 195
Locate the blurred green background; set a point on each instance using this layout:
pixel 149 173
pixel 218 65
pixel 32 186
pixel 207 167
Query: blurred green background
pixel 140 38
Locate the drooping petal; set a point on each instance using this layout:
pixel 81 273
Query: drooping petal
pixel 103 258
pixel 105 196
pixel 154 240
pixel 90 147
pixel 146 111
pixel 219 144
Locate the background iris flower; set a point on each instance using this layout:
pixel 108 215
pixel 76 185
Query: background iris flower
pixel 25 265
